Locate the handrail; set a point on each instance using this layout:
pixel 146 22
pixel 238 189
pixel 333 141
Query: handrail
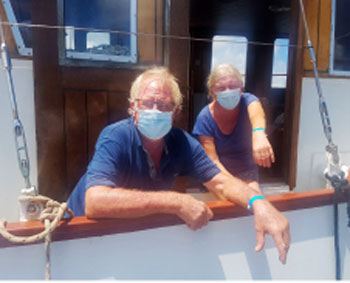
pixel 81 227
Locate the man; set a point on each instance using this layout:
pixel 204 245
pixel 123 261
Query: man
pixel 137 160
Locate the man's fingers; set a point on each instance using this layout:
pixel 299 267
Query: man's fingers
pixel 260 241
pixel 282 247
pixel 210 213
pixel 202 220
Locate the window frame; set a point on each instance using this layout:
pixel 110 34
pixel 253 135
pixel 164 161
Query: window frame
pixel 236 40
pixel 97 60
pixel 333 71
pixel 273 63
pixel 21 47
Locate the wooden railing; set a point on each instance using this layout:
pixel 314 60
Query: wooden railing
pixel 81 227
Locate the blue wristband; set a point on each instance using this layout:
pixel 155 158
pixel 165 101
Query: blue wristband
pixel 252 200
pixel 258 129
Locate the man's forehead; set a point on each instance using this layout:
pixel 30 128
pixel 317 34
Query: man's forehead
pixel 154 84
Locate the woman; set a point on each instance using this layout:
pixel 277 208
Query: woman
pixel 232 127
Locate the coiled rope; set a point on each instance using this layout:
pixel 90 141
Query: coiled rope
pixel 50 216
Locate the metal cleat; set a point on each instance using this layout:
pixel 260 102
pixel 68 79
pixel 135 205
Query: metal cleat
pixel 30 206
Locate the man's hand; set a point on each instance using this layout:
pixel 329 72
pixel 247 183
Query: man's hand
pixel 262 149
pixel 195 213
pixel 268 220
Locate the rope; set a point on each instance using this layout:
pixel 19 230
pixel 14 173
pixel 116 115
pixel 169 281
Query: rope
pixel 53 212
pixel 47 252
pixel 50 215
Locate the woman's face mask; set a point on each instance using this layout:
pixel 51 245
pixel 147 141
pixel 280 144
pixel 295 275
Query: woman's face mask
pixel 229 99
pixel 153 123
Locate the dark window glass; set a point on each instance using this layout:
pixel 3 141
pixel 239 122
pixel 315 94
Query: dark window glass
pixel 116 19
pixel 341 51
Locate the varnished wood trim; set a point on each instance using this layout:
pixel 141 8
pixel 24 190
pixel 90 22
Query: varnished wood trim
pixel 311 74
pixel 179 51
pixel 81 227
pixel 312 16
pixel 293 96
pixel 325 22
pixel 146 23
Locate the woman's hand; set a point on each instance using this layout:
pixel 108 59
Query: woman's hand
pixel 262 149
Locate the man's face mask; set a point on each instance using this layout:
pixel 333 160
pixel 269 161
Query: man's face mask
pixel 229 99
pixel 153 123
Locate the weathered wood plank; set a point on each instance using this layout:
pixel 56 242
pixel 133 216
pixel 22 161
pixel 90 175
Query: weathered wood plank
pixel 48 102
pixel 97 117
pixel 76 136
pixel 118 105
pixel 95 78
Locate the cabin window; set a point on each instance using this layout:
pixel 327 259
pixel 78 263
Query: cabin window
pixel 104 30
pixel 232 50
pixel 18 11
pixel 340 41
pixel 280 63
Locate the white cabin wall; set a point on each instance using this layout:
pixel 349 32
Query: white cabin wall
pixel 312 141
pixel 11 180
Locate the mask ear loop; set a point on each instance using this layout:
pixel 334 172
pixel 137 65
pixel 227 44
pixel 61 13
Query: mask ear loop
pixel 134 108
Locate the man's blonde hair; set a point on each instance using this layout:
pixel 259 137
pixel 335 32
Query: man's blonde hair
pixel 220 71
pixel 166 77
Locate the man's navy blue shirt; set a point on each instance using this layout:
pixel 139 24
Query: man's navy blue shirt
pixel 121 161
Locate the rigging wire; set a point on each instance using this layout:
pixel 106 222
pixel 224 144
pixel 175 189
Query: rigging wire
pixel 190 38
pixel 334 172
pixel 20 139
pixel 163 36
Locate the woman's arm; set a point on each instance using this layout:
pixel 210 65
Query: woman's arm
pixel 209 147
pixel 262 149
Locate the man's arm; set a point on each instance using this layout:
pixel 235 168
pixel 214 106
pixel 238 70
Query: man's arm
pixel 262 149
pixel 266 218
pixel 107 202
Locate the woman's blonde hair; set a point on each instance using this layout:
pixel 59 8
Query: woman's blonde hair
pixel 166 77
pixel 220 71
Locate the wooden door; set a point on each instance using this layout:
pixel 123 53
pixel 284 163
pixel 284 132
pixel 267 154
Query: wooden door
pixel 74 103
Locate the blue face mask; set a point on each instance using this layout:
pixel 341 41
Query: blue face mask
pixel 153 123
pixel 229 99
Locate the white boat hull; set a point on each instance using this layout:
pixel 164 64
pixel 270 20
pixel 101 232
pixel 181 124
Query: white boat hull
pixel 224 250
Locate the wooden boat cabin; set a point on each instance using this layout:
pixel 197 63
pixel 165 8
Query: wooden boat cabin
pixel 82 76
pixel 74 62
